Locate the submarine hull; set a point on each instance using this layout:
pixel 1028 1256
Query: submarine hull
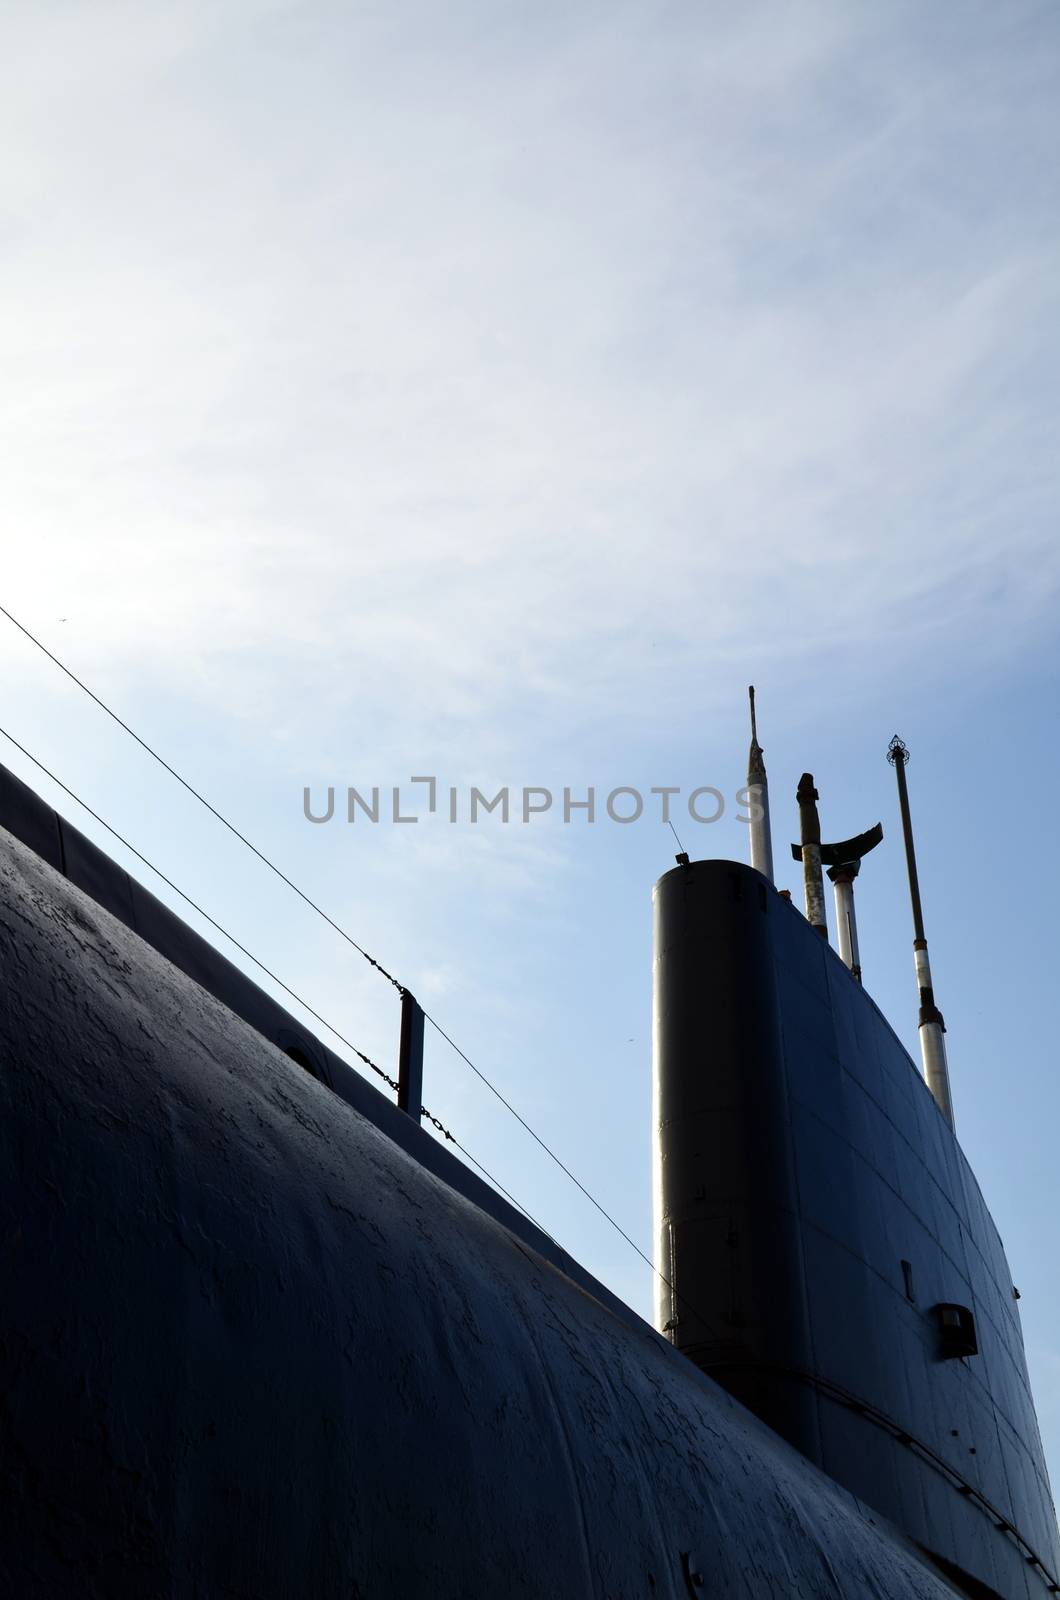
pixel 250 1345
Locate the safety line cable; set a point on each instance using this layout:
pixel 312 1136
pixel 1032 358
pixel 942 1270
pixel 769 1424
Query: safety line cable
pixel 196 907
pixel 332 924
pixel 549 1152
pixel 202 799
pixel 367 1060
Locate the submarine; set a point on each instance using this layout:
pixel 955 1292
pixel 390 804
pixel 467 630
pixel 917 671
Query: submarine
pixel 262 1335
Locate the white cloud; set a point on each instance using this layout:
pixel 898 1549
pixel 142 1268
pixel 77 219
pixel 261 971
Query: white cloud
pixel 405 352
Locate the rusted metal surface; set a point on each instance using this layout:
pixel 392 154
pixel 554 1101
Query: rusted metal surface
pixel 843 860
pixel 810 853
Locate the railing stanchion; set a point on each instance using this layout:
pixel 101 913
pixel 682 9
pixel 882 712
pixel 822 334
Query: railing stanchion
pixel 410 1056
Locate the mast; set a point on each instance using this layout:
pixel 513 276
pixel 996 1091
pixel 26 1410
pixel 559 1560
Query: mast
pixel 758 793
pixel 842 877
pixel 810 852
pixel 843 861
pixel 932 1027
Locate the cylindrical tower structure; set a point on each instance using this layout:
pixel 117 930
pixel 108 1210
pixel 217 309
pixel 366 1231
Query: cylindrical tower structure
pixel 728 1247
pixel 842 877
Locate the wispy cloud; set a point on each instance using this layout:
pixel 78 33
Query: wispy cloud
pixel 364 352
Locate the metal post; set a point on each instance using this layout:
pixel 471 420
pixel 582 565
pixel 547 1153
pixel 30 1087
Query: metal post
pixel 846 925
pixel 758 790
pixel 410 1057
pixel 932 1027
pixel 810 829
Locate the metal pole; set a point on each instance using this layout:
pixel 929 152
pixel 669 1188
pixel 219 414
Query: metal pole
pixel 932 1026
pixel 846 924
pixel 758 789
pixel 810 829
pixel 410 1057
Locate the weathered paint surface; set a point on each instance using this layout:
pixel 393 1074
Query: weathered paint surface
pixel 251 1347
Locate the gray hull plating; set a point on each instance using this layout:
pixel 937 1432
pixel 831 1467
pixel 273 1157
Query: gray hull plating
pixel 250 1346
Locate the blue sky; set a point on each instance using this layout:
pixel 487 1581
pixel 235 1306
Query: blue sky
pixel 495 393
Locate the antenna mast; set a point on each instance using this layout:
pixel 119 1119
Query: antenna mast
pixel 932 1027
pixel 758 794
